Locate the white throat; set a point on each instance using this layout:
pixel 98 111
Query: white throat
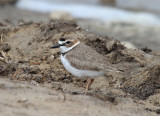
pixel 64 49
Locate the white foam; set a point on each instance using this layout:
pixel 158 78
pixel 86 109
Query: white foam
pixel 104 14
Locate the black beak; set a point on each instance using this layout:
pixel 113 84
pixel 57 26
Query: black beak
pixel 55 46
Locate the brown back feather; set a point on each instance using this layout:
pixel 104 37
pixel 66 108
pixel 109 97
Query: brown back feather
pixel 85 58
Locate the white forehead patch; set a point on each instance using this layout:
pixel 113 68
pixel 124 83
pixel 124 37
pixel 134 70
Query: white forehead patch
pixel 61 42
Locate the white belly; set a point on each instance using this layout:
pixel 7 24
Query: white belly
pixel 80 73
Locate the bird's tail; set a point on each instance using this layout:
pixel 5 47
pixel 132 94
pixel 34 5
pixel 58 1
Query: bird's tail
pixel 116 70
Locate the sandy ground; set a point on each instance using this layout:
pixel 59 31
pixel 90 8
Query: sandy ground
pixel 24 99
pixel 34 82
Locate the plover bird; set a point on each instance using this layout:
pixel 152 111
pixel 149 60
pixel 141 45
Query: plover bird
pixel 82 61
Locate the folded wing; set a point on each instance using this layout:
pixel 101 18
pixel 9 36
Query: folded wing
pixel 85 58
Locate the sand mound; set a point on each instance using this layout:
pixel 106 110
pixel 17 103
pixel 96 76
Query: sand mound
pixel 29 58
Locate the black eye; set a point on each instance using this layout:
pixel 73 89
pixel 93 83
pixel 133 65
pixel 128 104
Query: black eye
pixel 68 42
pixel 62 39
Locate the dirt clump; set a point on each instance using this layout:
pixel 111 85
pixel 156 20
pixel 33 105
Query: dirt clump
pixel 145 84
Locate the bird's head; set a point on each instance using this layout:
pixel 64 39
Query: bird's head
pixel 66 44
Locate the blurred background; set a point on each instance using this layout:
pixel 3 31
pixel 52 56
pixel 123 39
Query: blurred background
pixel 134 22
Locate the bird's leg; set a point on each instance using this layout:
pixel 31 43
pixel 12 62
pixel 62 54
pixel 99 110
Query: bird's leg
pixel 89 82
